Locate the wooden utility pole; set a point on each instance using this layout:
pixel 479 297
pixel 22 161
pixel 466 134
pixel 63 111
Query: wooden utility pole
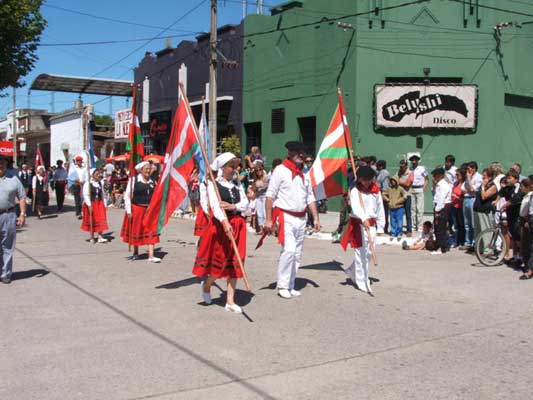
pixel 213 80
pixel 14 127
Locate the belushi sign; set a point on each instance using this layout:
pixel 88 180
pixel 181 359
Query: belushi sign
pixel 425 106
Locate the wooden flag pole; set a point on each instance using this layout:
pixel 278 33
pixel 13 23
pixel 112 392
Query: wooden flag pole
pixel 86 117
pixel 212 177
pixel 350 152
pixel 131 179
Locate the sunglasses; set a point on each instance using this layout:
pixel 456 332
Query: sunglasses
pixel 308 160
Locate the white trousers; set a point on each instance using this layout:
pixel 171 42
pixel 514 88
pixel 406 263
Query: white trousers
pixel 291 251
pixel 358 270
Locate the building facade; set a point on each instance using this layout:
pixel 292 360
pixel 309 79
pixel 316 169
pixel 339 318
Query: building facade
pixel 159 74
pixel 295 59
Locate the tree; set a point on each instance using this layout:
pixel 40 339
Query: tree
pixel 103 120
pixel 21 25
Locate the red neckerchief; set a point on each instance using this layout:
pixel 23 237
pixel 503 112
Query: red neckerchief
pixel 372 189
pixel 294 168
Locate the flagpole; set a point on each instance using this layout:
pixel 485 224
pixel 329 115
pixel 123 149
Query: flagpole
pixel 211 176
pixel 86 125
pixel 131 176
pixel 350 152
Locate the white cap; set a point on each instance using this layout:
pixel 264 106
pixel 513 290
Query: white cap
pixel 40 167
pixel 413 154
pixel 92 171
pixel 222 160
pixel 258 161
pixel 140 166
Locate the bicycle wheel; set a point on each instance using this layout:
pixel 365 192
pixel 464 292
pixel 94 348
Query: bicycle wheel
pixel 490 247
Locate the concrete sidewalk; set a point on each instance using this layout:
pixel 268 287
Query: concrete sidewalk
pixel 81 321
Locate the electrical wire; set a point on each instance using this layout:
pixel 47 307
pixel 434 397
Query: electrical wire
pixel 114 41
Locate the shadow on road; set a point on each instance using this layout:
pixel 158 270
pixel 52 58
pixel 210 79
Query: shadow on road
pixel 178 284
pixel 39 273
pixel 326 266
pixel 299 284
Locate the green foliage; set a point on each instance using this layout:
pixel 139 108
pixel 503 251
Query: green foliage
pixel 21 25
pixel 232 144
pixel 103 120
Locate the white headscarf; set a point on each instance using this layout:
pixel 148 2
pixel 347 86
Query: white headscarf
pixel 222 160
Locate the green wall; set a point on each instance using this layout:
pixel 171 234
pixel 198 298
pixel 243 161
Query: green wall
pixel 298 68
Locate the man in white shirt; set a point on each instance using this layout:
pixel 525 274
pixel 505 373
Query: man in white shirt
pixel 442 201
pixel 420 181
pixel 288 196
pixel 78 185
pixel 470 187
pixel 450 169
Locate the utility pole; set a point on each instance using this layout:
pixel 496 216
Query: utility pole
pixel 14 127
pixel 213 80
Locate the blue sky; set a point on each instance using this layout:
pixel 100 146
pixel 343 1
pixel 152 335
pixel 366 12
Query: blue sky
pixel 69 27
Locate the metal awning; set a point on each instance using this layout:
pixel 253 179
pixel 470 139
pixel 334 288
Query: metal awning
pixel 76 84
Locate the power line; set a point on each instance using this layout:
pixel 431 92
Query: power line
pixel 113 41
pixel 150 40
pixel 111 19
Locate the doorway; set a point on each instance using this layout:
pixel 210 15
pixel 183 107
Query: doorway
pixel 307 126
pixel 253 135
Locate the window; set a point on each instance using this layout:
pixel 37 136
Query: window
pixel 278 120
pixel 515 100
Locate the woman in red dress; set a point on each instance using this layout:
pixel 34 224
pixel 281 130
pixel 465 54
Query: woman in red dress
pixel 141 188
pixel 93 212
pixel 216 258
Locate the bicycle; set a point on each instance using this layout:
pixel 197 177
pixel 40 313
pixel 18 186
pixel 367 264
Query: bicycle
pixel 490 246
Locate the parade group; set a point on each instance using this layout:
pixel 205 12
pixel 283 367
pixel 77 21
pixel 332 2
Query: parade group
pixel 282 202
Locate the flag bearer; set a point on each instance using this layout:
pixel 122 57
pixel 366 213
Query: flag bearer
pixel 216 257
pixel 288 196
pixel 366 217
pixel 93 212
pixel 141 187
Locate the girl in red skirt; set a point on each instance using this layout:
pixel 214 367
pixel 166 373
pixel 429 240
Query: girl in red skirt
pixel 93 211
pixel 137 198
pixel 216 258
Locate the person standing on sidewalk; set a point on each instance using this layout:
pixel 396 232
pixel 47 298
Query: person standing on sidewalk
pixel 383 181
pixel 11 193
pixel 288 196
pixel 405 180
pixel 442 202
pixel 60 179
pixel 420 181
pixel 472 184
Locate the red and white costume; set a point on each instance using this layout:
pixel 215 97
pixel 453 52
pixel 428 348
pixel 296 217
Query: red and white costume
pixel 93 196
pixel 203 213
pixel 215 256
pixel 356 235
pixel 292 194
pixel 136 207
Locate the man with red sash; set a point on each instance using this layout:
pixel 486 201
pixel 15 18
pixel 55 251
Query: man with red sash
pixel 288 196
pixel 366 217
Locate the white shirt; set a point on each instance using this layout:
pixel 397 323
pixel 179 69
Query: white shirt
pixel 443 195
pixel 525 206
pixel 477 181
pixel 450 174
pixel 497 181
pixel 241 206
pixel 34 182
pixel 288 193
pixel 82 174
pixel 419 176
pixel 203 198
pixel 87 191
pixel 373 207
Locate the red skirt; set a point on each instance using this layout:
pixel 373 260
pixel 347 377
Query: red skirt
pixel 200 225
pixel 216 256
pixel 99 217
pixel 139 235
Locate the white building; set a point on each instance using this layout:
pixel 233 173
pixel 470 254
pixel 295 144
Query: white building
pixel 67 136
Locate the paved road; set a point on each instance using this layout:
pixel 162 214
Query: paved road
pixel 80 321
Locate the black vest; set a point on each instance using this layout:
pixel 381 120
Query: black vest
pixel 39 185
pixel 25 178
pixel 142 192
pixel 96 192
pixel 231 196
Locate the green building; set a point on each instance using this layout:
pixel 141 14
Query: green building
pixel 295 59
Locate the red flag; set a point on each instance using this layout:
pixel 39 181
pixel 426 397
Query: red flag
pixel 172 187
pixel 39 162
pixel 135 141
pixel 329 173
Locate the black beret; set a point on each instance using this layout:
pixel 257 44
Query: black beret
pixel 295 146
pixel 438 171
pixel 366 172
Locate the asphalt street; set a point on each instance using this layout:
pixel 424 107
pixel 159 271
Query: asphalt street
pixel 80 321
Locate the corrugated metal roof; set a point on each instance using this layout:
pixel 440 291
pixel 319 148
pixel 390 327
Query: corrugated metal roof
pixel 76 84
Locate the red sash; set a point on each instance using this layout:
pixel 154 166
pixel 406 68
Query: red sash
pixel 278 216
pixel 353 234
